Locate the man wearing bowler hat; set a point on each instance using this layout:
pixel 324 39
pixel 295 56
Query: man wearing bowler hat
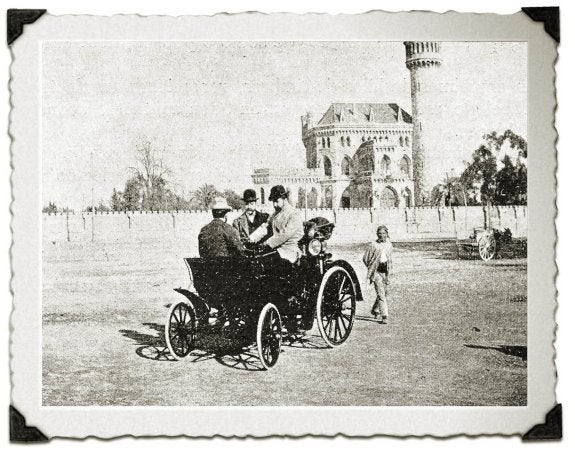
pixel 248 222
pixel 286 226
pixel 218 238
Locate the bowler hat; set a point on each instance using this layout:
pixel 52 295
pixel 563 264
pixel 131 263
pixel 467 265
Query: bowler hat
pixel 278 192
pixel 220 203
pixel 250 196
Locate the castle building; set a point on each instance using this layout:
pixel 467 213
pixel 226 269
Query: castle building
pixel 366 155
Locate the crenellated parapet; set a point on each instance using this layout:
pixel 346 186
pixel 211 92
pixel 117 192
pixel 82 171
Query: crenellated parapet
pixel 422 54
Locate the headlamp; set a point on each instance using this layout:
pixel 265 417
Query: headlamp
pixel 314 247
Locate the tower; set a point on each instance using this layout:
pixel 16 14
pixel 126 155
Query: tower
pixel 423 61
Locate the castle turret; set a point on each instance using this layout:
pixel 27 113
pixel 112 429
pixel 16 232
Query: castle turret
pixel 423 61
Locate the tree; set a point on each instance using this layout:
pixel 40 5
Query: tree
pixel 152 173
pixel 450 192
pixel 203 198
pixel 133 194
pixel 506 185
pixel 117 201
pixel 51 208
pixel 234 199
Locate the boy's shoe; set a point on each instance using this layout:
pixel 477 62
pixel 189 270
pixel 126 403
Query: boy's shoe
pixel 383 320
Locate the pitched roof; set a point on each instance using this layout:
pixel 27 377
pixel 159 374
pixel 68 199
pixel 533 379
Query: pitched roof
pixel 360 113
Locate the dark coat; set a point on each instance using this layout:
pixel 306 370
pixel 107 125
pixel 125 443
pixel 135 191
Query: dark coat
pixel 219 239
pixel 241 224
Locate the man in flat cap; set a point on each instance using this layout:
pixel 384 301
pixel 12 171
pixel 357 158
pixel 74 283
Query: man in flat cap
pixel 218 238
pixel 248 222
pixel 286 226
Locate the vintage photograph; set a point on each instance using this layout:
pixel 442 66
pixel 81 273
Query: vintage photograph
pixel 350 213
pixel 252 225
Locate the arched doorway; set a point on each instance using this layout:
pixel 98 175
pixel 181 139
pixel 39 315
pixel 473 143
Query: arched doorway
pixel 389 198
pixel 312 198
pixel 346 199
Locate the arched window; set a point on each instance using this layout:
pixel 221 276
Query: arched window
pixel 262 196
pixel 401 141
pixel 348 141
pixel 312 198
pixel 328 143
pixel 407 197
pixel 301 198
pixel 362 139
pixel 323 142
pixel 327 166
pixel 345 166
pixel 404 166
pixel 328 196
pixel 406 141
pixel 386 164
pixel 342 141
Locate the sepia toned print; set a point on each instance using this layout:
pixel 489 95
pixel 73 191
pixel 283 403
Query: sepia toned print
pixel 292 224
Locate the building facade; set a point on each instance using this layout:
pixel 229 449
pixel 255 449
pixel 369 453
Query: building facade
pixel 358 155
pixel 368 155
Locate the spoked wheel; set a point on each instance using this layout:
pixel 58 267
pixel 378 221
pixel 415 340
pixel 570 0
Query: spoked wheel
pixel 269 335
pixel 180 330
pixel 335 311
pixel 486 246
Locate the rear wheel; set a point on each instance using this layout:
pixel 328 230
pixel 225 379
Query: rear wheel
pixel 180 330
pixel 269 335
pixel 335 311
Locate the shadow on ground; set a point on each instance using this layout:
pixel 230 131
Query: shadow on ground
pixel 211 345
pixel 520 351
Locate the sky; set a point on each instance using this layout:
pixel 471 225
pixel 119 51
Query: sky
pixel 216 110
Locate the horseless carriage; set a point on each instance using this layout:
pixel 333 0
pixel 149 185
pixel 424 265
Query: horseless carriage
pixel 257 303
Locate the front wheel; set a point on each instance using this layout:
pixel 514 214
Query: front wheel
pixel 335 311
pixel 269 335
pixel 180 330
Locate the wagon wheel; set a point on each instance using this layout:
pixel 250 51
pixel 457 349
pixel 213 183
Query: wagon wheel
pixel 180 330
pixel 335 311
pixel 486 246
pixel 269 335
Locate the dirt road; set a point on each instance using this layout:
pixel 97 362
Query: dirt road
pixel 457 336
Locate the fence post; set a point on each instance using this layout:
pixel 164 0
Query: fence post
pixel 439 217
pixel 68 226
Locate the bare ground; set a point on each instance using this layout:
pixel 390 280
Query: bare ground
pixel 457 335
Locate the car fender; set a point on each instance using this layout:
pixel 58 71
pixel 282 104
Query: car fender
pixel 200 306
pixel 347 266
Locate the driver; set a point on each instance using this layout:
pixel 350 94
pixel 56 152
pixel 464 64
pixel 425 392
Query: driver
pixel 286 228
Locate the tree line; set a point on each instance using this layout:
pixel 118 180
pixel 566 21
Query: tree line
pixel 148 187
pixel 493 177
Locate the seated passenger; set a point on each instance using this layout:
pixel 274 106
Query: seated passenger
pixel 218 238
pixel 249 221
